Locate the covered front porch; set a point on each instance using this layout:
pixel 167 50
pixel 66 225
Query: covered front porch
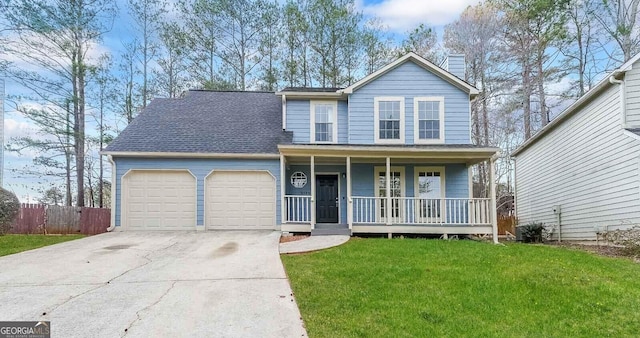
pixel 385 189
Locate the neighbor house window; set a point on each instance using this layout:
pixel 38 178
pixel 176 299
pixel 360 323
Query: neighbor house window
pixel 389 119
pixel 430 192
pixel 428 119
pixel 324 127
pixel 397 183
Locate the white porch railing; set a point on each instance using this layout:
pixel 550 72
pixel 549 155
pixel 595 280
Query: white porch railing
pixel 366 210
pixel 297 208
pixel 422 211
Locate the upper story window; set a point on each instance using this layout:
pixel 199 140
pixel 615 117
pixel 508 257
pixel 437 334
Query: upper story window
pixel 428 119
pixel 324 126
pixel 389 119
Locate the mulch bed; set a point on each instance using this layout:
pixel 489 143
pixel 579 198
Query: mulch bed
pixel 602 249
pixel 285 239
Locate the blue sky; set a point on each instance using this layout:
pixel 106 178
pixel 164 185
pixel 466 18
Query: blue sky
pixel 398 15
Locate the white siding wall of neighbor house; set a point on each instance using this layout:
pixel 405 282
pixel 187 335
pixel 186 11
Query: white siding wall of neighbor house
pixel 632 86
pixel 588 167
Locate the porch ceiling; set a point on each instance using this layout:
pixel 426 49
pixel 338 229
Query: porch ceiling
pixel 468 154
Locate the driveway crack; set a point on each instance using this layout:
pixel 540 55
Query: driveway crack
pixel 138 318
pixel 70 299
pixel 146 257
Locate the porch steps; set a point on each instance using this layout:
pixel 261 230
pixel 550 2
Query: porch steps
pixel 331 229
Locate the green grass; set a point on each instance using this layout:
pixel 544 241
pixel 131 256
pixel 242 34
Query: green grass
pixel 418 288
pixel 10 244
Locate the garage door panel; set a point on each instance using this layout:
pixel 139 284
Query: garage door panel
pixel 159 200
pixel 240 200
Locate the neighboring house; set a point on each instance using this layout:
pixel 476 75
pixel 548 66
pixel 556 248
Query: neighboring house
pixel 389 154
pixel 582 170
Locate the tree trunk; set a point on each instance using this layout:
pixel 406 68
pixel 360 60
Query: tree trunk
pixel 526 99
pixel 544 115
pixel 101 164
pixel 79 122
pixel 67 155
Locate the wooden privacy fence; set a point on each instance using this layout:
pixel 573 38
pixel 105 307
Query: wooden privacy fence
pixel 506 223
pixel 53 219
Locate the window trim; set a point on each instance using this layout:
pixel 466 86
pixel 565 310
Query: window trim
pixel 403 189
pixel 416 174
pixel 403 179
pixel 376 112
pixel 443 189
pixel 312 119
pixel 416 119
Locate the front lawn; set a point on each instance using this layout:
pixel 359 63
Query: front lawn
pixel 417 287
pixel 10 244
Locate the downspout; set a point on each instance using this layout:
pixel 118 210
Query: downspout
pixel 113 194
pixel 515 187
pixel 623 105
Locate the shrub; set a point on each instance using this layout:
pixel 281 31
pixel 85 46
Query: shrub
pixel 532 232
pixel 9 208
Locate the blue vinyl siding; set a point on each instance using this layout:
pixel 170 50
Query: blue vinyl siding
pixel 198 167
pixel 343 122
pixel 409 80
pixel 455 64
pixel 299 121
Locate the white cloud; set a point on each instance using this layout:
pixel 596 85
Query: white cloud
pixel 403 15
pixel 15 128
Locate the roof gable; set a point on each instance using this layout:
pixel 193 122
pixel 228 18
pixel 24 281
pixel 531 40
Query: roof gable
pixel 420 61
pixel 579 103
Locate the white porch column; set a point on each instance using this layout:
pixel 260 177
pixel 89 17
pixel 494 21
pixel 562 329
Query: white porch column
pixel 349 200
pixel 313 192
pixel 492 189
pixel 283 189
pixel 387 209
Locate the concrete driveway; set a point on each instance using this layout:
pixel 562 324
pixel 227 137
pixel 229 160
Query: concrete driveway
pixel 163 284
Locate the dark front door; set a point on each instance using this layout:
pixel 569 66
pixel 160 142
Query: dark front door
pixel 327 199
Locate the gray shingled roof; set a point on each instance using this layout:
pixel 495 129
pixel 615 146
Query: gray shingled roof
pixel 207 122
pixel 414 146
pixel 312 89
pixel 634 130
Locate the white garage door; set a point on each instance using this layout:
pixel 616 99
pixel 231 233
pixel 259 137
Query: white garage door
pixel 240 200
pixel 159 200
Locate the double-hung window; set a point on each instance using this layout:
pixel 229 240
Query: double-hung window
pixel 428 119
pixel 324 127
pixel 389 119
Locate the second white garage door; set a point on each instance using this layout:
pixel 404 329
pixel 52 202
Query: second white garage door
pixel 240 200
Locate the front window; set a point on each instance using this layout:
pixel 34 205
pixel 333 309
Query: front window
pixel 429 119
pixel 323 125
pixel 389 113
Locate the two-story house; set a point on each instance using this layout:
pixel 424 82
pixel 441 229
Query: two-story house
pixel 389 154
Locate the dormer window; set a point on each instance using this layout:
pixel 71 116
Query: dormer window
pixel 324 126
pixel 389 119
pixel 428 120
